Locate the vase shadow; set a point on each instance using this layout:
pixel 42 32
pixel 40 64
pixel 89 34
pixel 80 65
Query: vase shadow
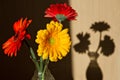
pixel 93 71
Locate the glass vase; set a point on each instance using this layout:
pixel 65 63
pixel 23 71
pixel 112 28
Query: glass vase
pixel 47 75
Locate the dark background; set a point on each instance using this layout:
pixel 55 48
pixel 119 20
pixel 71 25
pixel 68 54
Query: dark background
pixel 21 67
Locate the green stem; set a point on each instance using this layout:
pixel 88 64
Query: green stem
pixel 41 64
pixel 39 67
pixel 41 73
pixel 45 67
pixel 34 58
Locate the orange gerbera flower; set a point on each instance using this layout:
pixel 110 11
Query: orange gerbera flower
pixel 60 12
pixel 12 45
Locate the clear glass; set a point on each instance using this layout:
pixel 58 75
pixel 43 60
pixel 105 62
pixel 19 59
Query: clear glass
pixel 47 76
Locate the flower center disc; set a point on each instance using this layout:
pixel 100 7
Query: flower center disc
pixel 51 41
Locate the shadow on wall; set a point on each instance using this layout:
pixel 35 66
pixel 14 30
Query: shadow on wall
pixel 107 46
pixel 21 67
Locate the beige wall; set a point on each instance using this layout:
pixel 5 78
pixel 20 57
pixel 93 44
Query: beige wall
pixel 90 11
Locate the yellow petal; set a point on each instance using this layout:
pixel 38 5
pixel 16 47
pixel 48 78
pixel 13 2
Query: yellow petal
pixel 45 55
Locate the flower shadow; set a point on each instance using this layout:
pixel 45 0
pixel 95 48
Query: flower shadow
pixel 83 44
pixel 106 46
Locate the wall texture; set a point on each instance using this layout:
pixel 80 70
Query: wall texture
pixel 89 12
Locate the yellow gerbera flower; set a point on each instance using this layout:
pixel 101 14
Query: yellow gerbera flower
pixel 54 43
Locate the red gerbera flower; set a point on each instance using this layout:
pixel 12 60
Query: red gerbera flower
pixel 60 12
pixel 12 45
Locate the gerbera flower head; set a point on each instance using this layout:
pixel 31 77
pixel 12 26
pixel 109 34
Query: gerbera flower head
pixel 12 45
pixel 60 12
pixel 54 43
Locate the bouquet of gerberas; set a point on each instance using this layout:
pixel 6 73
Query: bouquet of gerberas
pixel 53 42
